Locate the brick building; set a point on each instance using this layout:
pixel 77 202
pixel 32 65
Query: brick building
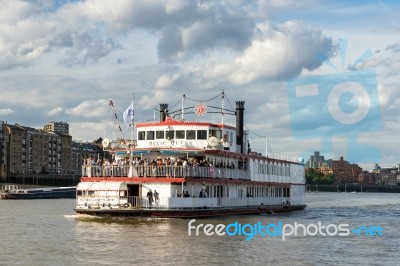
pixel 31 150
pixel 345 172
pixel 3 153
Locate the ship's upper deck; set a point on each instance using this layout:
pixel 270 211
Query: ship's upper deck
pixel 186 134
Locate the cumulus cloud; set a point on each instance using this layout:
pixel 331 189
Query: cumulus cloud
pixel 7 111
pixel 166 80
pixel 219 28
pixel 388 61
pixel 277 53
pixel 55 111
pixel 86 31
pixel 90 109
pixel 149 101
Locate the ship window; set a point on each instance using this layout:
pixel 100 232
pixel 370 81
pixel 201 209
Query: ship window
pixel 160 134
pixel 141 135
pixel 191 134
pixel 201 134
pixel 180 134
pixel 170 134
pixel 216 133
pixel 150 135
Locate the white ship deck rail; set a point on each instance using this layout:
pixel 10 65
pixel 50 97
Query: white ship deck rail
pixel 177 202
pixel 164 171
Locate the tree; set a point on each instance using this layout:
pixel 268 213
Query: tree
pixel 313 176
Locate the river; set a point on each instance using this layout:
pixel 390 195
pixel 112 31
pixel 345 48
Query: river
pixel 48 232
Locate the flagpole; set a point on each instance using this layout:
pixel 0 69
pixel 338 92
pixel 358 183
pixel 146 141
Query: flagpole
pixel 131 142
pixel 132 121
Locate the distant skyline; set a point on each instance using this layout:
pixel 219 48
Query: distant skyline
pixel 64 60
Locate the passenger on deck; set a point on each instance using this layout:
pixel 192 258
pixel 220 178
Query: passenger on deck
pixel 156 198
pixel 150 198
pixel 203 194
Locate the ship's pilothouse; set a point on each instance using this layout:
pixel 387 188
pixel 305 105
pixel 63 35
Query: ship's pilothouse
pixel 203 140
pixel 186 135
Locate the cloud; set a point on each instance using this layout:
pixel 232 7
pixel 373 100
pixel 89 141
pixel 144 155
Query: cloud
pixel 276 53
pixel 153 99
pixel 166 80
pixel 387 61
pixel 282 52
pixel 218 27
pixel 7 111
pixel 55 111
pixel 87 31
pixel 90 109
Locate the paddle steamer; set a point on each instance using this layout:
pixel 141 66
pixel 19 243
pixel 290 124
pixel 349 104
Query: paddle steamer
pixel 180 168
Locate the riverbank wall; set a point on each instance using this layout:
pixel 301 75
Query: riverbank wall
pixel 43 179
pixel 352 188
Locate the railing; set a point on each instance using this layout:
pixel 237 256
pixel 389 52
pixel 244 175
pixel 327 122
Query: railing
pixel 173 202
pixel 164 171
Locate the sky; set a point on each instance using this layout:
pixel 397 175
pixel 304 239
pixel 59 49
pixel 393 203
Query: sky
pixel 315 75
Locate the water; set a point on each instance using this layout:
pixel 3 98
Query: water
pixel 48 232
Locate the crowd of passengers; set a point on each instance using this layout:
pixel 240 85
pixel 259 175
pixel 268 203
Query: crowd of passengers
pixel 159 162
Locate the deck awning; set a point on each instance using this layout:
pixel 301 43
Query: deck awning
pixel 96 186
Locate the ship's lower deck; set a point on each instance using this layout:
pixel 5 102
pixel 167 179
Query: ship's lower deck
pixel 188 212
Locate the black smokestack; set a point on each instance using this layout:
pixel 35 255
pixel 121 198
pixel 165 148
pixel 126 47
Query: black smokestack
pixel 239 124
pixel 163 111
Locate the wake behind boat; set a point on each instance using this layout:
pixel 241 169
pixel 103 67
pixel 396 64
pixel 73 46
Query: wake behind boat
pixel 180 168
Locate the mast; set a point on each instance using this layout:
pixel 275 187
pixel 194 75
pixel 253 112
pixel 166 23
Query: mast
pixel 222 107
pixel 133 122
pixel 116 118
pixel 183 99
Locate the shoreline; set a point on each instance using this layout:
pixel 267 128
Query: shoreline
pixel 352 188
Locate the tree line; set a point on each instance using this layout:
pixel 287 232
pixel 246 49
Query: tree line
pixel 313 176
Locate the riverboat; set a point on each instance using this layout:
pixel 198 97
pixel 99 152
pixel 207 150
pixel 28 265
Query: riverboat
pixel 184 169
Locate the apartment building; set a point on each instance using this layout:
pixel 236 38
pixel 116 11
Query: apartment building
pixel 57 127
pixel 345 172
pixel 318 161
pixel 3 152
pixel 85 150
pixel 31 150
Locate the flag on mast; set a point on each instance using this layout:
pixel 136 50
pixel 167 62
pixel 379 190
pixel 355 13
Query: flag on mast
pixel 128 115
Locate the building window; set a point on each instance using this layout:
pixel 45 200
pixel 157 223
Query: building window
pixel 201 134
